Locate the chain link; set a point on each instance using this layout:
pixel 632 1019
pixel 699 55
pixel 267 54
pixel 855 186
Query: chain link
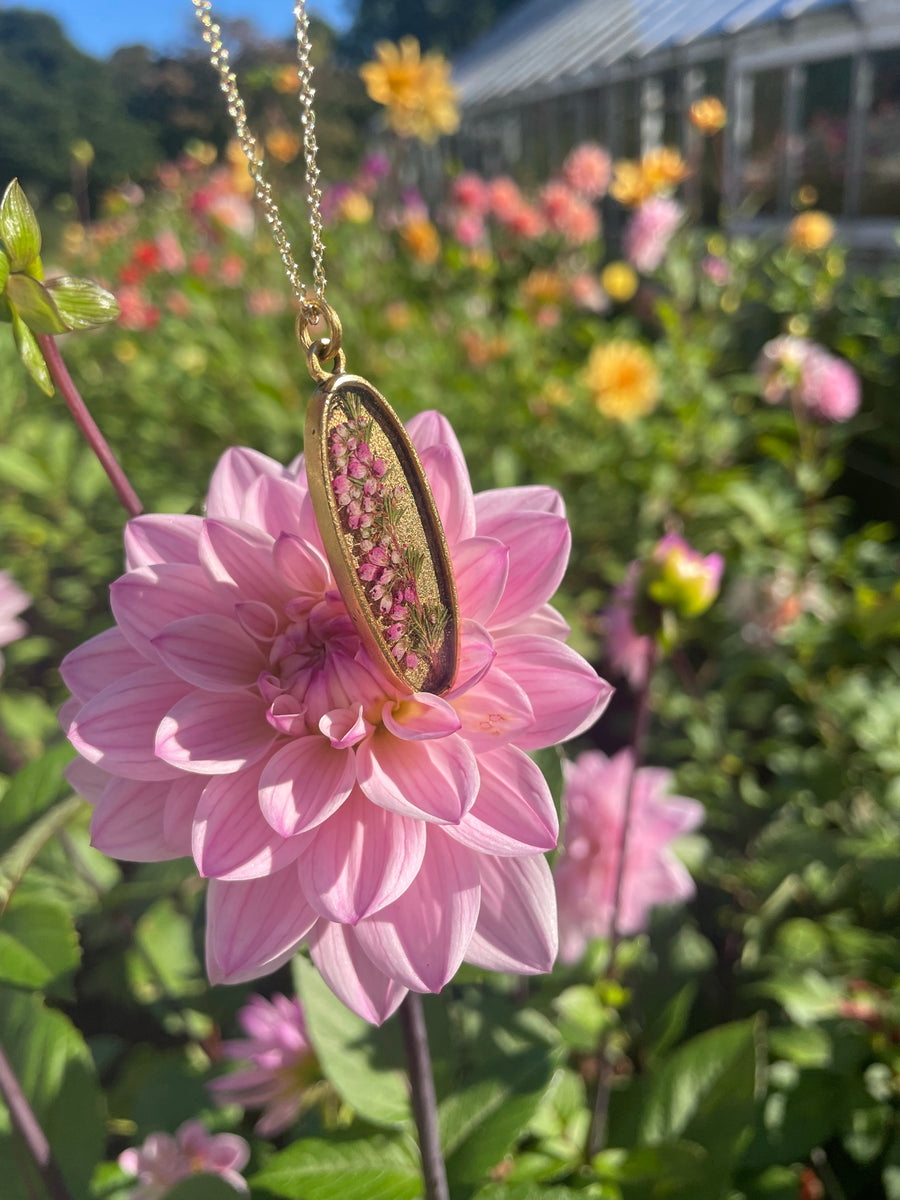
pixel 221 61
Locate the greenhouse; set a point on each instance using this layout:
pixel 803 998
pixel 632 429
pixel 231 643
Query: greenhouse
pixel 812 88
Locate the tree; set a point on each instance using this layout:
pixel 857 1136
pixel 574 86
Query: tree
pixel 446 25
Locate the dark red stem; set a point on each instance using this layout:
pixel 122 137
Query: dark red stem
pixel 88 425
pixel 24 1120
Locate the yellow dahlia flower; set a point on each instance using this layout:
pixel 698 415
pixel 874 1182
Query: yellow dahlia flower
pixel 420 100
pixel 623 379
pixel 810 231
pixel 619 280
pixel 708 115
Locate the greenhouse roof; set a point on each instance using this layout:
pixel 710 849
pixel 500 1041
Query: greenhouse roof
pixel 545 41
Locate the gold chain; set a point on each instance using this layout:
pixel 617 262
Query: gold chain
pixel 221 61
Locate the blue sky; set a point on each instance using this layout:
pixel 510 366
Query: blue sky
pixel 99 26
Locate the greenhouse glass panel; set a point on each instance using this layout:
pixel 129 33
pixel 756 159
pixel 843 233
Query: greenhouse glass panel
pixel 764 161
pixel 823 146
pixel 881 155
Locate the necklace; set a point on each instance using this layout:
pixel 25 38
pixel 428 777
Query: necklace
pixel 374 509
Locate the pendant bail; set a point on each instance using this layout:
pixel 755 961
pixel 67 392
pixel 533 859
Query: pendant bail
pixel 320 348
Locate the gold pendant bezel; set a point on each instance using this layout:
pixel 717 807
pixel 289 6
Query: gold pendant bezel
pixel 337 397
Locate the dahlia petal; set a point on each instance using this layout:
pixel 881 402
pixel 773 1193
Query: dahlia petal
pixel 254 925
pixel 351 974
pixel 435 780
pixel 308 526
pixel 476 653
pixel 548 670
pixel 86 780
pixel 273 504
pixel 117 728
pixel 514 813
pixel 361 859
pixel 422 937
pixel 445 469
pixel 258 619
pixel 148 599
pixel 162 538
pixel 544 622
pixel 234 552
pixel 517 925
pixel 481 569
pixel 539 545
pixel 420 717
pixel 302 566
pixel 303 783
pixel 68 711
pixel 214 733
pixel 231 837
pixel 236 471
pixel 345 727
pixel 211 651
pixel 98 662
pixel 127 821
pixel 178 815
pixel 496 504
pixel 432 429
pixel 287 715
pixel 494 711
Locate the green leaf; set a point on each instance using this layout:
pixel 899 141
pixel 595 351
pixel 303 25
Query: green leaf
pixel 34 304
pixel 38 943
pixel 19 857
pixel 82 303
pixel 56 1072
pixel 30 354
pixel 4 270
pixel 163 962
pixel 377 1168
pixel 19 229
pixel 33 788
pixel 352 1053
pixel 201 1187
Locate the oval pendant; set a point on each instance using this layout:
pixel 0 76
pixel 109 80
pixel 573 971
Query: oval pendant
pixel 382 533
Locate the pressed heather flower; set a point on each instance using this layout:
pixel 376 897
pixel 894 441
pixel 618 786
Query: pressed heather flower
pixel 233 714
pixel 12 602
pixel 810 231
pixel 588 169
pixel 594 803
pixel 282 1063
pixel 163 1160
pixel 623 379
pixel 649 231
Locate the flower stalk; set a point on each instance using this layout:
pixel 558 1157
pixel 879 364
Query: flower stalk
pixel 88 425
pixel 29 1128
pixel 421 1079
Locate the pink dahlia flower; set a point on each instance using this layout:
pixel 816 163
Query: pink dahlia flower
pixel 649 231
pixel 469 191
pixel 829 387
pixel 568 213
pixel 684 579
pixel 233 714
pixel 505 197
pixel 12 601
pixel 594 798
pixel 282 1061
pixel 627 651
pixel 163 1160
pixel 588 169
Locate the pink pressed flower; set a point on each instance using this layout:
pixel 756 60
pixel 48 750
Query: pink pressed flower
pixel 594 802
pixel 588 169
pixel 12 602
pixel 829 387
pixel 282 1063
pixel 469 191
pixel 505 197
pixel 234 715
pixel 627 651
pixel 163 1160
pixel 649 230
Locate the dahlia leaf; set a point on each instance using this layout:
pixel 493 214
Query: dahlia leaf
pixel 82 304
pixel 50 1058
pixel 34 304
pixel 348 1049
pixel 377 1168
pixel 19 228
pixel 19 857
pixel 201 1187
pixel 38 943
pixel 33 789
